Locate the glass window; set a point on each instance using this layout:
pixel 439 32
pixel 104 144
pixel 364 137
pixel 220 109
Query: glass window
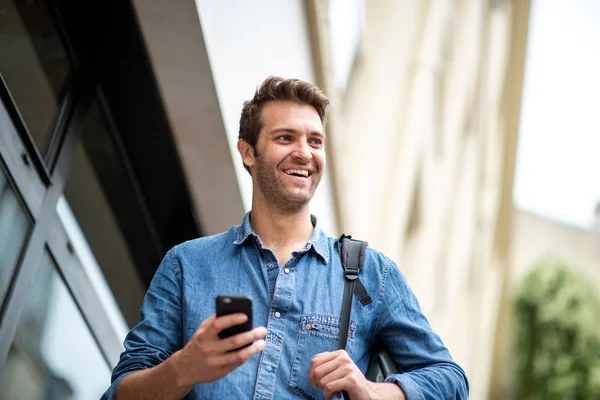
pixel 34 64
pixel 95 165
pixel 13 230
pixel 53 355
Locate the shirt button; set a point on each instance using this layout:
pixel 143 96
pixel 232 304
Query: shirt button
pixel 270 266
pixel 307 326
pixel 287 270
pixel 269 368
pixel 277 314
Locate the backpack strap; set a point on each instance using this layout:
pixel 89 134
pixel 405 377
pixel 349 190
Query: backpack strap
pixel 352 254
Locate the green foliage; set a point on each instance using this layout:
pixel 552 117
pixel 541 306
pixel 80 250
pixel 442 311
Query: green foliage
pixel 557 341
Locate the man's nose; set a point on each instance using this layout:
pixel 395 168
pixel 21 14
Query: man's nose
pixel 302 152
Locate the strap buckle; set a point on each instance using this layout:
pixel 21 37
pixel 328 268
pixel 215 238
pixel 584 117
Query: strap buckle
pixel 351 272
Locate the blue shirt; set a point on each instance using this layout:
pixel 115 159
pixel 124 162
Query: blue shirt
pixel 300 305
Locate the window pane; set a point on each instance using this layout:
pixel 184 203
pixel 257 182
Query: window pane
pixel 33 64
pixel 13 229
pixel 53 355
pixel 86 194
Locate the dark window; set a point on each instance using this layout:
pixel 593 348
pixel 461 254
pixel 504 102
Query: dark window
pixel 34 64
pixel 97 173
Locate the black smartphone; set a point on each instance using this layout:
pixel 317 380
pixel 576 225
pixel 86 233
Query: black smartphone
pixel 232 305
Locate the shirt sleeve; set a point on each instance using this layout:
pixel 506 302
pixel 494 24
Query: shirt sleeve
pixel 427 368
pixel 158 333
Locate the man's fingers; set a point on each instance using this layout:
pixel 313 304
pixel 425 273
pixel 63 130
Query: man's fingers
pixel 244 338
pixel 326 372
pixel 227 362
pixel 239 357
pixel 321 359
pixel 239 340
pixel 335 375
pixel 207 322
pixel 211 355
pixel 227 321
pixel 334 388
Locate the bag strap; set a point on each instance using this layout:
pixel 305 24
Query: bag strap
pixel 352 254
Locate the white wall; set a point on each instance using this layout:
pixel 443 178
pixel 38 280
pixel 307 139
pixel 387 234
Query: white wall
pixel 247 41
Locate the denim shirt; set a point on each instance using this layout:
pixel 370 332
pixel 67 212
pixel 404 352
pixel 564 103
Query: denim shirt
pixel 300 305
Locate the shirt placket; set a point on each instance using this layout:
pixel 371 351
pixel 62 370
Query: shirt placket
pixel 278 316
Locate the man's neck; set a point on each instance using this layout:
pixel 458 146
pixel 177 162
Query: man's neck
pixel 278 229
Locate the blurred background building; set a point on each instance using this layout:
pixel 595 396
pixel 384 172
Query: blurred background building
pixel 118 130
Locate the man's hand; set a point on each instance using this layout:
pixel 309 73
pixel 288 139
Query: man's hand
pixel 207 358
pixel 335 371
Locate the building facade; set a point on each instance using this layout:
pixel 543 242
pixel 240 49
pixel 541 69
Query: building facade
pixel 424 149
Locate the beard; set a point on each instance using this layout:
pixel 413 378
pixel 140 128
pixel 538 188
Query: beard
pixel 277 192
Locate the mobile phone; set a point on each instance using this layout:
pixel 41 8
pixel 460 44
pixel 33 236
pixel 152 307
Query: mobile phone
pixel 231 305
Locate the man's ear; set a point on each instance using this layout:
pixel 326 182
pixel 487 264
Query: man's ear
pixel 247 152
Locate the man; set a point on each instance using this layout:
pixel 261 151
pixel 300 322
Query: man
pixel 280 257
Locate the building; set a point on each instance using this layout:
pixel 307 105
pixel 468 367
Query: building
pixel 118 126
pixel 430 123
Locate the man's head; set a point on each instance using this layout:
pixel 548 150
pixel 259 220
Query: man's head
pixel 282 142
pixel 276 88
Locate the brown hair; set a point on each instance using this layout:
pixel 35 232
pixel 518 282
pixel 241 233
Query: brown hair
pixel 276 88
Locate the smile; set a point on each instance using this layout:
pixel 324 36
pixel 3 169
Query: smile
pixel 297 172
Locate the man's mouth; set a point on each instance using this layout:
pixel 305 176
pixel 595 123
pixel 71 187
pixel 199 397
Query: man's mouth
pixel 298 172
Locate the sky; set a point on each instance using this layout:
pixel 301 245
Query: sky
pixel 558 156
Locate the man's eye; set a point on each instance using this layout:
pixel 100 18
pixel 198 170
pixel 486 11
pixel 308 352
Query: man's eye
pixel 316 142
pixel 284 137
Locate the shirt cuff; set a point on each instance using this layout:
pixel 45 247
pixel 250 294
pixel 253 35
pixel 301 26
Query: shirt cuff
pixel 111 392
pixel 409 387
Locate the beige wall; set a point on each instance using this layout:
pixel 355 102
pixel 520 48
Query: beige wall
pixel 428 126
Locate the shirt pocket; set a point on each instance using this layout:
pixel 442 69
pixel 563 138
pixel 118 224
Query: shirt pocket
pixel 318 333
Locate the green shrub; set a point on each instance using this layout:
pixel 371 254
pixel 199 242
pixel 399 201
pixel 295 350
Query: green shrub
pixel 557 335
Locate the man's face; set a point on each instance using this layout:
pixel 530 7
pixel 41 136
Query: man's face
pixel 289 158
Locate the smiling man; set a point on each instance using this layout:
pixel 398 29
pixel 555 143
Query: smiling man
pixel 279 257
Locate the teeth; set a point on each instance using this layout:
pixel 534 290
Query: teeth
pixel 297 171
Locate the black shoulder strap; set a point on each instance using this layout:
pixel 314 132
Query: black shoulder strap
pixel 352 253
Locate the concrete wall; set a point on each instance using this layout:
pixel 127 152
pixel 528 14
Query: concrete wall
pixel 428 126
pixel 535 236
pixel 177 49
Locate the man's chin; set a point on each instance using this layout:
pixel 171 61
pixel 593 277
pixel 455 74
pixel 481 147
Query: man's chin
pixel 295 201
pixel 300 196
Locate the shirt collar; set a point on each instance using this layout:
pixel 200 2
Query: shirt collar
pixel 318 240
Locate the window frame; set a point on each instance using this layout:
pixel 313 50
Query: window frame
pixel 39 199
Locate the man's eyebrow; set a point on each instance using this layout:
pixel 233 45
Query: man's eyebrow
pixel 292 130
pixel 284 129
